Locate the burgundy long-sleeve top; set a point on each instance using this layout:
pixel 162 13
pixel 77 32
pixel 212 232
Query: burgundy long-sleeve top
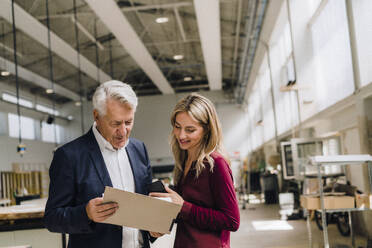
pixel 210 209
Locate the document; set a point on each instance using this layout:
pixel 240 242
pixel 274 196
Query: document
pixel 141 211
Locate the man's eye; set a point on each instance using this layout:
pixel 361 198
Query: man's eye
pixel 128 123
pixel 176 127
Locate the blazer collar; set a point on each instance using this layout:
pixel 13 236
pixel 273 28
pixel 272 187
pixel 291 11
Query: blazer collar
pixel 97 158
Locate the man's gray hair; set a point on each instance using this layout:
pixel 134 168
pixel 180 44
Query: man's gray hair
pixel 114 90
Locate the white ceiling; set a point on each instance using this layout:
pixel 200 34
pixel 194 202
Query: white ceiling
pixel 122 40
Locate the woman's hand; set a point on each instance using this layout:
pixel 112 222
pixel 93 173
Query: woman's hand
pixel 156 234
pixel 176 198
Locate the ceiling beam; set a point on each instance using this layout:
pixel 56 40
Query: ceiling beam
pixel 33 28
pixel 157 6
pixel 86 32
pixel 10 49
pixel 180 25
pixel 208 17
pixel 125 9
pixel 174 42
pixel 111 15
pixel 32 77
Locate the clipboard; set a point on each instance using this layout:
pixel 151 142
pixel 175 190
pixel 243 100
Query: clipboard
pixel 141 211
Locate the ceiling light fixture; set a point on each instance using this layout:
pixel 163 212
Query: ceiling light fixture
pixel 178 57
pixel 77 103
pixel 162 20
pixel 49 91
pixel 70 117
pixel 5 73
pixel 187 79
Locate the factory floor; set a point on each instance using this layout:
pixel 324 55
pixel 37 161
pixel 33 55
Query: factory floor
pixel 261 227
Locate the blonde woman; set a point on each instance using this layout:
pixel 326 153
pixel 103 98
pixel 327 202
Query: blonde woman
pixel 202 176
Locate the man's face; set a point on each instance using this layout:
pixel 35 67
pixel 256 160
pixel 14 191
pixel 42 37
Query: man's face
pixel 117 124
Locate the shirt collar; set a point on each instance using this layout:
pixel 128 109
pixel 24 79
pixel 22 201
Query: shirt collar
pixel 102 142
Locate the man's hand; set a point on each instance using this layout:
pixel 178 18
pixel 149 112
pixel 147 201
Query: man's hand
pixel 176 198
pixel 156 234
pixel 98 212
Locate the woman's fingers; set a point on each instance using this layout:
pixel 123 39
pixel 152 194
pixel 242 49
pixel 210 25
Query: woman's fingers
pixel 169 189
pixel 156 194
pixel 156 234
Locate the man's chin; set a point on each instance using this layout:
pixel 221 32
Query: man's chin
pixel 119 145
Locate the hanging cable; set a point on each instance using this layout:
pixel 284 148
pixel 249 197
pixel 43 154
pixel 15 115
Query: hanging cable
pixel 96 46
pixel 79 72
pixel 3 46
pixel 111 65
pixel 21 147
pixel 51 74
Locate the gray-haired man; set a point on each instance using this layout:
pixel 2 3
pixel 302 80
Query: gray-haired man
pixel 104 156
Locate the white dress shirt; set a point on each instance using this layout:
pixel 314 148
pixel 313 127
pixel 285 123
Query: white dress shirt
pixel 120 171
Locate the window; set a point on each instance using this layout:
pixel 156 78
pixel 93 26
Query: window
pixel 331 46
pixel 363 33
pixel 48 134
pixel 48 110
pixel 13 99
pixel 27 127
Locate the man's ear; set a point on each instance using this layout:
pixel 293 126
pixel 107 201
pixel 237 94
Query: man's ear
pixel 95 115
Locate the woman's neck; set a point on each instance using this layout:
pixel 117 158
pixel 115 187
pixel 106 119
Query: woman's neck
pixel 191 156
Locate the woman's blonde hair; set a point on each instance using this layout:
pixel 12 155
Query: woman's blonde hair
pixel 203 111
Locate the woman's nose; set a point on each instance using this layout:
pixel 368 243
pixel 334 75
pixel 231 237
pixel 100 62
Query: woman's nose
pixel 182 134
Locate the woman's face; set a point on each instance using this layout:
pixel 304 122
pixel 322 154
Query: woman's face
pixel 188 132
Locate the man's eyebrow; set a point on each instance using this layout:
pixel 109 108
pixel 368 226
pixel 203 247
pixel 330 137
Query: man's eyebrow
pixel 116 121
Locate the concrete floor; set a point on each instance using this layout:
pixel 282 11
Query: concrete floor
pixel 262 216
pixel 295 237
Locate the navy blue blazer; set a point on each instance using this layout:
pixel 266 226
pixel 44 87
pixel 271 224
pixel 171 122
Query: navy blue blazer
pixel 78 174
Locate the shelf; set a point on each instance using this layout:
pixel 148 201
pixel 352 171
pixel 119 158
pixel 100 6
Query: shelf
pixel 345 210
pixel 340 159
pixel 322 161
pixel 326 194
pixel 315 175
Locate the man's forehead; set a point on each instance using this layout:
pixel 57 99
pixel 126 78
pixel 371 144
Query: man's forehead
pixel 116 102
pixel 120 116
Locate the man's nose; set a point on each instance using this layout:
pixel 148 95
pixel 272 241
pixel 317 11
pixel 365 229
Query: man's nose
pixel 122 130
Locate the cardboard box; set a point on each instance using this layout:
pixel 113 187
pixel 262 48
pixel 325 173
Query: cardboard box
pixel 334 202
pixel 330 202
pixel 310 202
pixel 362 200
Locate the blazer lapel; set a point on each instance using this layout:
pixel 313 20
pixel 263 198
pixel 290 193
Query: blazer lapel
pixel 97 158
pixel 132 156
